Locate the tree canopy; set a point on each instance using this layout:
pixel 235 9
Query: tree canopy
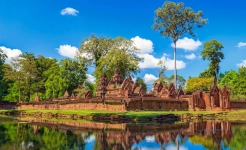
pixel 212 52
pixel 174 20
pixel 194 84
pixel 108 54
pixel 236 82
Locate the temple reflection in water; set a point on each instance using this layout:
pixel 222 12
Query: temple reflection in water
pixel 128 136
pixel 218 131
pixel 29 133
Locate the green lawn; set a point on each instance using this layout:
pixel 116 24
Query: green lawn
pixel 131 114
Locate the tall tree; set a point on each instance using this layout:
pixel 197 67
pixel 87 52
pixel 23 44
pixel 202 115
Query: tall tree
pixel 212 52
pixel 161 73
pixel 29 68
pixel 174 20
pixel 67 75
pixel 3 84
pixel 93 48
pixel 14 72
pixel 43 64
pixel 74 72
pixel 126 63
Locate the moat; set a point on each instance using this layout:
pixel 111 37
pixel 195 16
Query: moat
pixel 49 134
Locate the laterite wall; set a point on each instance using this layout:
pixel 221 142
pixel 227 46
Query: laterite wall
pixel 157 105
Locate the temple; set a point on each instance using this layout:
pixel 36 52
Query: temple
pixel 123 94
pixel 126 91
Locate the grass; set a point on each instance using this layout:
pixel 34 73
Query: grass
pixel 130 114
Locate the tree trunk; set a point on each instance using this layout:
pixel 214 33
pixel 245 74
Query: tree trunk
pixel 19 90
pixel 175 69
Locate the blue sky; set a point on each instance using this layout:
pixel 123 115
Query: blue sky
pixel 48 28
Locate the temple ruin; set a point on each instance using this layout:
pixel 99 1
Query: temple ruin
pixel 119 94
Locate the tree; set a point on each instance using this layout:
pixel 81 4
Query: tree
pixel 74 72
pixel 208 73
pixel 236 83
pixel 194 84
pixel 212 52
pixel 180 80
pixel 55 85
pixel 14 73
pixel 93 48
pixel 161 73
pixel 30 72
pixel 43 64
pixel 3 84
pixel 174 20
pixel 117 58
pixel 66 75
pixel 141 82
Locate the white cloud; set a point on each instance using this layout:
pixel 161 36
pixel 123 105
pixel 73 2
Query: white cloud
pixel 69 11
pixel 67 50
pixel 89 139
pixel 145 45
pixel 90 78
pixel 187 44
pixel 151 62
pixel 149 78
pixel 242 64
pixel 11 53
pixel 241 44
pixel 191 56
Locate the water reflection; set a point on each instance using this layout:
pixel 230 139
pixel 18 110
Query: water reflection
pixel 74 135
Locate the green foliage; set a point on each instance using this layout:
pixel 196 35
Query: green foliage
pixel 206 142
pixel 55 85
pixel 28 74
pixel 68 75
pixel 23 136
pixel 174 20
pixel 180 80
pixel 239 138
pixel 117 58
pixel 141 82
pixel 212 52
pixel 74 72
pixel 94 48
pixel 107 54
pixel 3 83
pixel 194 84
pixel 161 74
pixel 236 83
pixel 208 73
pixel 88 86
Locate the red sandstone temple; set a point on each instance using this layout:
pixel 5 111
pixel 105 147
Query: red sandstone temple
pixel 129 92
pixel 119 94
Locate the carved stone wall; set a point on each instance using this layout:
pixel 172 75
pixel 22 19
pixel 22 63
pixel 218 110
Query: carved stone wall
pixel 74 106
pixel 7 106
pixel 238 104
pixel 157 105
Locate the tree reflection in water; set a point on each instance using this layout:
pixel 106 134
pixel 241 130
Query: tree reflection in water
pixel 99 136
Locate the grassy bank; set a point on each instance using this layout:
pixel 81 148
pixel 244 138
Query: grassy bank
pixel 130 116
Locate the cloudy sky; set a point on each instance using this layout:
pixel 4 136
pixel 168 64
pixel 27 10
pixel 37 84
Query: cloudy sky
pixel 56 28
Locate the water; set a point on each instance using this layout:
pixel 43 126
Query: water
pixel 32 134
